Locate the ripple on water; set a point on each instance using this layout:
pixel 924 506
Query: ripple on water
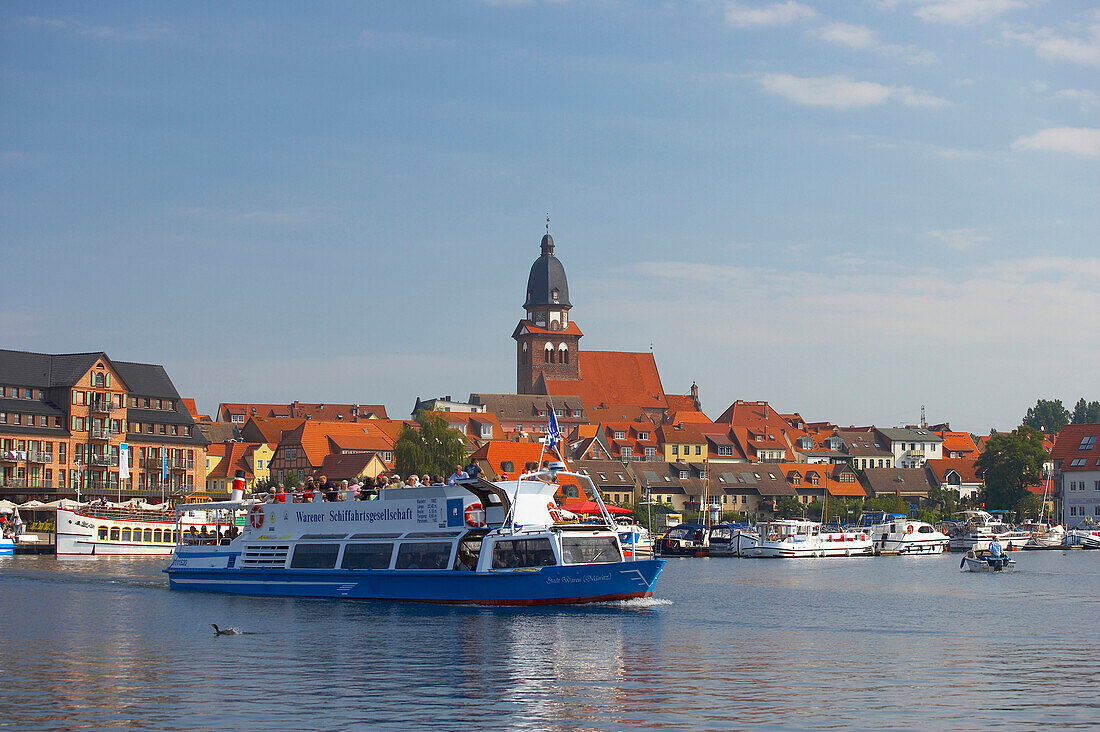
pixel 882 643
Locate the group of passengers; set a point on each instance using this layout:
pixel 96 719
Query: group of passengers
pixel 217 536
pixel 11 526
pixel 316 490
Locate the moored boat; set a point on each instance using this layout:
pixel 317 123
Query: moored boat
pixel 894 533
pixel 635 540
pixel 1086 535
pixel 98 530
pixel 1044 536
pixel 801 538
pixel 684 540
pixel 474 542
pixel 976 529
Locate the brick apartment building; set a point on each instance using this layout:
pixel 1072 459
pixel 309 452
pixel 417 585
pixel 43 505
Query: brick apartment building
pixel 64 418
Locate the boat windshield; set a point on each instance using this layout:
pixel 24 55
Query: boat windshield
pixel 590 549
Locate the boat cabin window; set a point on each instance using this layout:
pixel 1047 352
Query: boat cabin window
pixel 103 533
pixel 314 556
pixel 469 549
pixel 523 553
pixel 925 530
pixel 589 549
pixel 423 555
pixel 680 533
pixel 126 533
pixel 721 532
pixel 367 556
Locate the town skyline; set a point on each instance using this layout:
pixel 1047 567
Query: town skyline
pixel 848 212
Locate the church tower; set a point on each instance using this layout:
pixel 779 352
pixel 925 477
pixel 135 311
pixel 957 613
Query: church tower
pixel 547 341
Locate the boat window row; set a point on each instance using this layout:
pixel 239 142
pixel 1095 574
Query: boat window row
pixel 506 554
pixel 137 535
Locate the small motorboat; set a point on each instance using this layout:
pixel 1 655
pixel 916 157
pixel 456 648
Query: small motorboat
pixel 981 560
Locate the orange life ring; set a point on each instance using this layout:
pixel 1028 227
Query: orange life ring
pixel 256 517
pixel 909 529
pixel 554 512
pixel 475 515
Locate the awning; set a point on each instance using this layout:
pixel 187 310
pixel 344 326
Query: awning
pixel 591 507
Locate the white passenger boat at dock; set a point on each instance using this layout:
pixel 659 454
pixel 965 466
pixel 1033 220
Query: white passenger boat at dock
pixel 801 538
pixel 894 533
pixel 977 528
pixel 474 542
pixel 91 529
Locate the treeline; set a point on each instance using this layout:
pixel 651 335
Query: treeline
pixel 1050 416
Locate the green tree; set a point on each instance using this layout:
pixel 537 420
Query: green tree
pixel 290 480
pixel 789 507
pixel 1086 412
pixel 1047 415
pixel 435 448
pixel 1029 507
pixel 945 500
pixel 1011 461
pixel 889 504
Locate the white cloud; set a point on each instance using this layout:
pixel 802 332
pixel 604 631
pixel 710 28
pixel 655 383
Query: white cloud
pixel 842 92
pixel 863 38
pixel 774 14
pixel 1087 98
pixel 961 238
pixel 1053 45
pixel 965 12
pixel 1083 141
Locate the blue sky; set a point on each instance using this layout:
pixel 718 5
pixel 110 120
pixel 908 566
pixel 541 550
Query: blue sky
pixel 848 209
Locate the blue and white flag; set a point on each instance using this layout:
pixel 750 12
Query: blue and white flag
pixel 163 465
pixel 553 434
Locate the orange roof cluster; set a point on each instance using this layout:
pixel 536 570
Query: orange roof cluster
pixel 958 442
pixel 320 438
pixel 964 467
pixel 1077 448
pixel 235 458
pixel 614 377
pixel 801 475
pixel 499 457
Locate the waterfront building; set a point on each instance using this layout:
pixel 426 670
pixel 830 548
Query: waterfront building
pixel 682 442
pixel 820 444
pixel 65 419
pixel 957 474
pixel 865 449
pixel 1076 458
pixel 957 445
pixel 911 484
pixel 762 434
pixel 667 484
pixel 616 483
pixel 911 446
pixel 751 489
pixel 812 481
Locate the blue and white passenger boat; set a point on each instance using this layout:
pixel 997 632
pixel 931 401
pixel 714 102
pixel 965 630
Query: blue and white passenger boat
pixel 475 542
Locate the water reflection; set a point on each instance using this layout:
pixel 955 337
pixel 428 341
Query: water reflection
pixel 885 643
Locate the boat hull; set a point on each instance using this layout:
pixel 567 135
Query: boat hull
pixel 888 545
pixel 1004 564
pixel 7 547
pixel 543 586
pixel 78 534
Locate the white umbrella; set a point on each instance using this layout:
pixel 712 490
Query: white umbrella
pixel 53 504
pixel 32 504
pixel 67 504
pixel 6 506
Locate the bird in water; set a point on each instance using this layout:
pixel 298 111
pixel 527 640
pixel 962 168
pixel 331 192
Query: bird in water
pixel 224 631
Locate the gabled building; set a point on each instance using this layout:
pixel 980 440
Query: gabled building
pixel 444 404
pixel 240 412
pixel 912 484
pixel 822 445
pixel 251 459
pixel 957 474
pixel 1076 458
pixel 813 481
pixel 616 483
pixel 911 446
pixel 958 445
pixel 526 415
pixel 65 417
pixel 751 489
pixel 506 459
pixel 302 450
pixel 666 484
pixel 762 434
pixel 682 443
pixel 865 448
pixel 627 441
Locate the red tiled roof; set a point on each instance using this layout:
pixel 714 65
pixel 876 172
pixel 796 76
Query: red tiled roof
pixel 495 452
pixel 318 438
pixel 1067 448
pixel 958 442
pixel 965 467
pixel 234 460
pixel 345 467
pixel 570 329
pixel 681 403
pixel 828 478
pixel 270 429
pixel 614 377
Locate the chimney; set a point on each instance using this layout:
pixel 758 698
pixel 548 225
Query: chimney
pixel 695 396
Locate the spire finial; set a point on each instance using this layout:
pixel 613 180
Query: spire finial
pixel 547 222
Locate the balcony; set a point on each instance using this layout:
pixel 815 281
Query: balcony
pixel 914 453
pixel 27 483
pixel 181 464
pixel 149 463
pixel 9 456
pixel 101 406
pixel 103 460
pixel 37 456
pixel 101 433
pixel 100 485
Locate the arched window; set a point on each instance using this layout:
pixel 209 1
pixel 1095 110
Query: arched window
pixel 126 533
pixel 524 355
pixel 114 533
pixel 549 353
pixel 148 535
pixel 563 353
pixel 554 295
pixel 156 536
pixel 102 533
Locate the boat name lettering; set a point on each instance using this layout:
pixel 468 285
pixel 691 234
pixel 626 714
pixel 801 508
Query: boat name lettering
pixel 85 524
pixel 569 579
pixel 348 514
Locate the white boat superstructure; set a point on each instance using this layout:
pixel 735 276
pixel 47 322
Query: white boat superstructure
pixel 636 540
pixel 801 538
pixel 894 533
pixel 1044 536
pixel 1085 535
pixel 977 528
pixel 94 530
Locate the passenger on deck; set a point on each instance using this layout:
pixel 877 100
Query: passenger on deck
pixel 413 481
pixel 473 470
pixel 457 475
pixel 425 480
pixel 280 494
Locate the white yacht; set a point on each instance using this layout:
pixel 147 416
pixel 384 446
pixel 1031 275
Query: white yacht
pixel 1086 535
pixel 1044 536
pixel 894 533
pixel 802 538
pixel 976 528
pixel 114 530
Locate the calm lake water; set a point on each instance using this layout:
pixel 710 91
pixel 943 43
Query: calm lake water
pixel 883 643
